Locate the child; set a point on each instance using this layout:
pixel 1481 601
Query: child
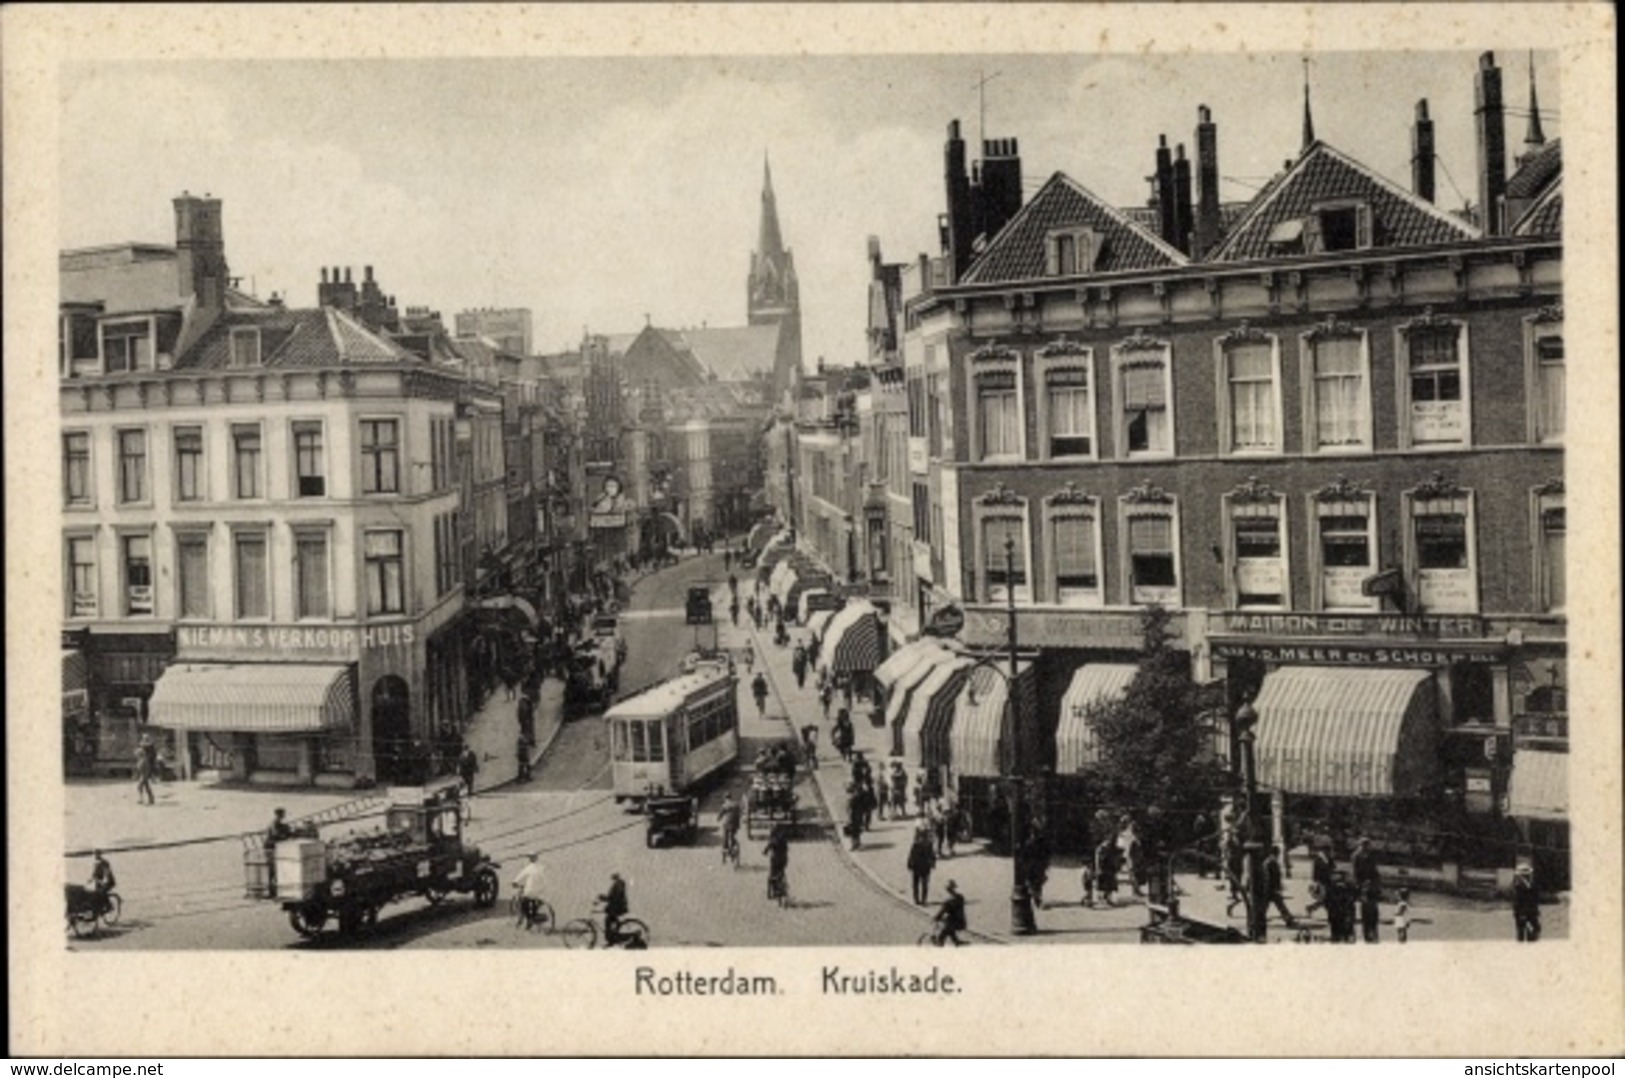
pixel 1089 885
pixel 1402 915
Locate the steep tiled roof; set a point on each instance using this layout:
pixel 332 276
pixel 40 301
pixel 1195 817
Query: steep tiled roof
pixel 1018 253
pixel 1545 217
pixel 311 337
pixel 734 353
pixel 1150 218
pixel 1322 174
pixel 1539 170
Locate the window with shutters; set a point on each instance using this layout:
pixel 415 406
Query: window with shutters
pixel 81 576
pixel 385 572
pixel 1255 527
pixel 1070 251
pixel 77 486
pixel 1003 541
pixel 1074 544
pixel 137 571
pixel 312 574
pixel 1545 376
pixel 192 573
pixel 998 414
pixel 1338 227
pixel 1145 413
pixel 190 478
pixel 1344 547
pixel 251 572
pixel 1151 550
pixel 1440 549
pixel 246 461
pixel 1337 382
pixel 1435 382
pixel 1250 418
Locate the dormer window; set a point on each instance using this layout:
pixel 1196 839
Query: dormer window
pixel 245 348
pixel 126 347
pixel 1337 226
pixel 1071 251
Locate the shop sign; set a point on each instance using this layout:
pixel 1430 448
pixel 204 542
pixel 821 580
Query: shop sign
pixel 306 642
pixel 1318 654
pixel 1117 630
pixel 607 520
pixel 1445 589
pixel 1246 623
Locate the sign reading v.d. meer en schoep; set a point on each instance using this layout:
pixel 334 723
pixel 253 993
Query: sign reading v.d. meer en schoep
pixel 287 642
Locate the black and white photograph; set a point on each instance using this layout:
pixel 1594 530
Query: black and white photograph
pixel 969 506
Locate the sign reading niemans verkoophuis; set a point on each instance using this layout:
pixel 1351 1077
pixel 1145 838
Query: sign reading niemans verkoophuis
pixel 306 642
pixel 1242 623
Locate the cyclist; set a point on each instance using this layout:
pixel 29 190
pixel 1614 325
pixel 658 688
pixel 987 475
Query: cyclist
pixel 778 860
pixel 728 821
pixel 529 883
pixel 950 918
pixel 615 908
pixel 101 881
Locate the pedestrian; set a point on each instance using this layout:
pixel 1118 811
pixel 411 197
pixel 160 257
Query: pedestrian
pixel 733 581
pixel 1322 871
pixel 939 825
pixel 1340 908
pixel 920 798
pixel 1370 911
pixel 1133 857
pixel 750 656
pixel 728 561
pixel 1525 904
pixel 1035 863
pixel 899 791
pixel 952 819
pixel 882 795
pixel 733 612
pixel 824 697
pixel 1106 855
pixel 527 714
pixel 1199 840
pixel 854 813
pixel 1364 865
pixel 468 765
pixel 1402 916
pixel 921 860
pixel 1088 884
pixel 866 791
pixel 143 772
pixel 1275 888
pixel 758 689
pixel 523 752
pixel 841 737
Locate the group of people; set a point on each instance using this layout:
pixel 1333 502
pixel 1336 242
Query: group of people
pixel 616 907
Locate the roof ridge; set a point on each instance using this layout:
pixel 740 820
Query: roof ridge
pixel 298 324
pixel 1553 191
pixel 1473 232
pixel 1167 248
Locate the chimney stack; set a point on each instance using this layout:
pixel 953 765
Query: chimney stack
pixel 957 247
pixel 1000 194
pixel 1490 121
pixel 1182 199
pixel 1165 190
pixel 1422 153
pixel 200 250
pixel 1207 184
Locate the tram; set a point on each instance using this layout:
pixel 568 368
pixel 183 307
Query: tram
pixel 671 737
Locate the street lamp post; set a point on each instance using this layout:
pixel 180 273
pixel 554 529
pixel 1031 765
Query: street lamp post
pixel 1022 922
pixel 1253 842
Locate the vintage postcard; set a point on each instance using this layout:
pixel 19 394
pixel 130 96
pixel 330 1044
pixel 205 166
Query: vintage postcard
pixel 812 530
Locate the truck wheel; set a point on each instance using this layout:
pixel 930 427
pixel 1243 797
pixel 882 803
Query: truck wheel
pixel 352 919
pixel 307 920
pixel 486 887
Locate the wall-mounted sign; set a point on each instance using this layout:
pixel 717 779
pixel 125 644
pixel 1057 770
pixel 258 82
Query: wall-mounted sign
pixel 1117 630
pixel 1245 623
pixel 259 642
pixel 1313 653
pixel 945 622
pixel 612 506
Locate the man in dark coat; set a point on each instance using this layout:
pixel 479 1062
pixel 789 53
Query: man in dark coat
pixel 1320 879
pixel 921 860
pixel 468 765
pixel 1525 905
pixel 1275 887
pixel 1364 865
pixel 854 813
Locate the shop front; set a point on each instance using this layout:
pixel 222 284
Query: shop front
pixel 929 720
pixel 78 735
pixel 121 670
pixel 982 742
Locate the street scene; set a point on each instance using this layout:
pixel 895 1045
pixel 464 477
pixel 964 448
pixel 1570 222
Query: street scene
pixel 910 518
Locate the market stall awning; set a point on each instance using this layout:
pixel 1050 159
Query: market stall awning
pixel 1540 785
pixel 852 641
pixel 981 724
pixel 931 714
pixel 75 682
pixel 1336 732
pixel 1075 746
pixel 263 698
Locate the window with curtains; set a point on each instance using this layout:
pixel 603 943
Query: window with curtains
pixel 311 573
pixel 380 456
pixel 1074 540
pixel 246 455
pixel 76 483
pixel 998 414
pixel 1258 565
pixel 1002 573
pixel 385 570
pixel 1338 391
pixel 192 574
pixel 1153 564
pixel 127 347
pixel 132 466
pixel 1549 387
pixel 309 460
pixel 1249 369
pixel 137 567
pixel 82 590
pixel 1145 425
pixel 1344 548
pixel 1067 408
pixel 1436 382
pixel 1440 530
pixel 190 478
pixel 251 565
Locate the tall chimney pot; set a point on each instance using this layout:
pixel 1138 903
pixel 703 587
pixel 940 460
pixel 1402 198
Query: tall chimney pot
pixel 1207 183
pixel 1490 121
pixel 1422 153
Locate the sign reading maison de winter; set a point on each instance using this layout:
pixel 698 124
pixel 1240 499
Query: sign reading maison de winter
pixel 264 642
pixel 1431 626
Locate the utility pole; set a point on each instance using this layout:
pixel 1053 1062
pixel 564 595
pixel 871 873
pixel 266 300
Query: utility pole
pixel 1253 842
pixel 981 104
pixel 1022 922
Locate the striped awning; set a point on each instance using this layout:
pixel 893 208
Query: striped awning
pixel 981 723
pixel 761 534
pixel 1540 785
pixel 852 641
pixel 806 603
pixel 922 652
pixel 262 698
pixel 931 714
pixel 778 585
pixel 1336 732
pixel 1075 746
pixel 819 622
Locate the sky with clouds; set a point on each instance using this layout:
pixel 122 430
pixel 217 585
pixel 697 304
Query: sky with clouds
pixel 599 191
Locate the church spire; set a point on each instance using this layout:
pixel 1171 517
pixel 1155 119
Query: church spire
pixel 769 244
pixel 1534 138
pixel 1308 118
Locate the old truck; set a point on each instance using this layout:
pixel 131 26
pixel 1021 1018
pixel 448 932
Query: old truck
pixel 405 844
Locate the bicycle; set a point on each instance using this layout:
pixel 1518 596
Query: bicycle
pixel 730 848
pixel 539 915
pixel 582 934
pixel 778 888
pixel 937 935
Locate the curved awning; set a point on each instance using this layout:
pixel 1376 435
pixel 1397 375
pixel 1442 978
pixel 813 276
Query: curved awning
pixel 819 622
pixel 262 698
pixel 1539 789
pixel 509 602
pixel 852 641
pixel 931 714
pixel 913 655
pixel 1075 746
pixel 761 534
pixel 902 689
pixel 806 606
pixel 980 730
pixel 1337 732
